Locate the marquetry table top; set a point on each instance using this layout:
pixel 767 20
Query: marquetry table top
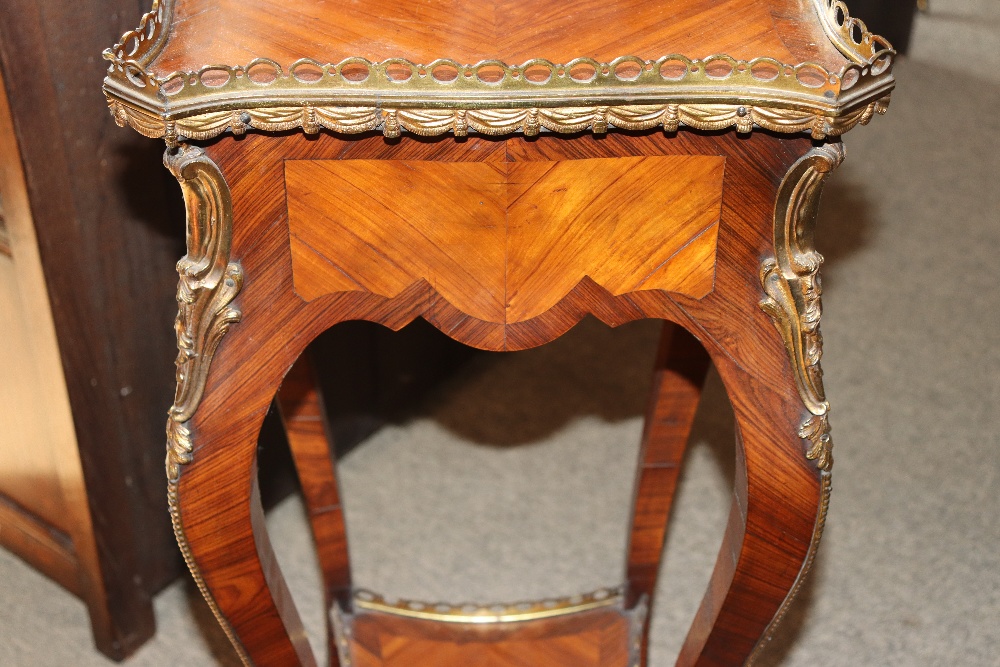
pixel 197 68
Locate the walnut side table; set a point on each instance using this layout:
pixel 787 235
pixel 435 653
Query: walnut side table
pixel 501 170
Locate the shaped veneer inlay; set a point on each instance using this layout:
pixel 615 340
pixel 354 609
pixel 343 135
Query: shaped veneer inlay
pixel 504 241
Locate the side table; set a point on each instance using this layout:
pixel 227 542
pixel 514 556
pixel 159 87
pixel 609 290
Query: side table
pixel 544 163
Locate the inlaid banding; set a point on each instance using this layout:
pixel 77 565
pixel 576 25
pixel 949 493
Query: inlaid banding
pixel 504 242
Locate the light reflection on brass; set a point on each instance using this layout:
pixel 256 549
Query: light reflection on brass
pixel 791 281
pixel 792 284
pixel 208 284
pixel 802 97
pixel 493 613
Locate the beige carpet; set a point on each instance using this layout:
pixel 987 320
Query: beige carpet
pixel 515 483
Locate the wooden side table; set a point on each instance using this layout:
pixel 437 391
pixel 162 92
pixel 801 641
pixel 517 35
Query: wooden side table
pixel 502 201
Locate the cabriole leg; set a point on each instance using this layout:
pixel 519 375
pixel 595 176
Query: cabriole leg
pixel 679 374
pixel 784 448
pixel 301 406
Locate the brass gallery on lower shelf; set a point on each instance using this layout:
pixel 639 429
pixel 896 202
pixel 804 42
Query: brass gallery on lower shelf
pixel 492 613
pixel 365 601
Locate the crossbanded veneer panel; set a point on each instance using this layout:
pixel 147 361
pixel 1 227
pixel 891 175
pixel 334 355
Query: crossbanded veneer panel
pixel 629 223
pixel 382 225
pixel 504 242
pixel 597 638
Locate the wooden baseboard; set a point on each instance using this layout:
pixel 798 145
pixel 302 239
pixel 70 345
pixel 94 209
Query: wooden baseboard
pixel 47 549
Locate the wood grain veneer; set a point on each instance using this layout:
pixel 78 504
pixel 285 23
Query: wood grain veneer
pixel 504 242
pixel 678 376
pixel 629 224
pixel 234 32
pixel 597 638
pixel 380 226
pixel 777 490
pixel 303 414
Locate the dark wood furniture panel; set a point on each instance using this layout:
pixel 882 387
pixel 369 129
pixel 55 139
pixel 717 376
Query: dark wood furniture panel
pixel 109 223
pixel 103 253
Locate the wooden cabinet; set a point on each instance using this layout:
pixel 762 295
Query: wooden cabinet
pixel 93 228
pixel 80 419
pixel 43 509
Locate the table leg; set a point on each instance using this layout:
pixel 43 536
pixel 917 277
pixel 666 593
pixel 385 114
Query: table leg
pixel 226 381
pixel 777 512
pixel 681 366
pixel 767 347
pixel 301 406
pixel 216 505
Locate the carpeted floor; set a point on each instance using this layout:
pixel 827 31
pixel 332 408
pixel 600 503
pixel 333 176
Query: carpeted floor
pixel 515 482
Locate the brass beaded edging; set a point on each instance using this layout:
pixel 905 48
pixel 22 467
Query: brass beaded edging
pixel 496 98
pixel 207 286
pixel 824 505
pixel 491 613
pixel 791 283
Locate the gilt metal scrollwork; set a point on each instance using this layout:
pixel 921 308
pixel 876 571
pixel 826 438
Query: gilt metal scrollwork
pixel 208 280
pixel 208 283
pixel 792 284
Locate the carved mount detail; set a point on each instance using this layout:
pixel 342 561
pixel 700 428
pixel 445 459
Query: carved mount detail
pixel 496 98
pixel 792 284
pixel 492 121
pixel 208 284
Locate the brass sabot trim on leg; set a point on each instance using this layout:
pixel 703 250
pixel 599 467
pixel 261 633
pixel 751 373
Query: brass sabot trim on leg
pixel 824 506
pixel 208 284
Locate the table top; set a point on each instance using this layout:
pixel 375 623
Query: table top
pixel 208 32
pixel 786 65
